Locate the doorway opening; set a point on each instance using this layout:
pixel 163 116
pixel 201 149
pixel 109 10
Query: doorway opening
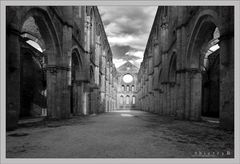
pixel 210 69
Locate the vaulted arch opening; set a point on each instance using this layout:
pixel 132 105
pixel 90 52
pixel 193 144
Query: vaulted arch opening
pixel 133 99
pixel 38 50
pixel 127 100
pixel 204 66
pixel 121 100
pixel 76 70
pixel 210 78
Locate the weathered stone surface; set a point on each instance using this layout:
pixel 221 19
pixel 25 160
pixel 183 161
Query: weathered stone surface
pixel 126 95
pixel 180 37
pixel 73 73
pixel 71 63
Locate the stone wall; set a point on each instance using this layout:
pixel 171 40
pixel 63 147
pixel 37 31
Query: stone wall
pixel 126 91
pixel 171 72
pixel 77 60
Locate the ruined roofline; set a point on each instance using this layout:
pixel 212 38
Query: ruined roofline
pixel 150 34
pixel 123 65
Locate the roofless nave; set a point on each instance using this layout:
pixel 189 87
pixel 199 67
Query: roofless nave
pixel 187 71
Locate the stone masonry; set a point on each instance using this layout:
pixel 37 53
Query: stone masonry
pixel 170 79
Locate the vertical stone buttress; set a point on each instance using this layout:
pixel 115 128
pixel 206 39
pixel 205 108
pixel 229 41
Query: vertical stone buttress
pixel 13 68
pixel 227 68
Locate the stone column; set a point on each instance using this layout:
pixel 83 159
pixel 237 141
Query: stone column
pixel 196 94
pixel 174 92
pixel 188 95
pixel 180 94
pixel 171 99
pixel 79 85
pixel 58 97
pixel 227 81
pixel 168 99
pixel 164 100
pixel 160 103
pixel 12 75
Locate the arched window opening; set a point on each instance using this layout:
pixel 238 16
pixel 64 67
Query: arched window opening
pixel 205 56
pixel 133 100
pixel 210 67
pixel 33 90
pixel 128 88
pixel 121 100
pixel 127 99
pixel 123 88
pixel 133 88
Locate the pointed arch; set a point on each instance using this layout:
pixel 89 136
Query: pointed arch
pixel 172 68
pixel 203 29
pixel 46 29
pixel 202 34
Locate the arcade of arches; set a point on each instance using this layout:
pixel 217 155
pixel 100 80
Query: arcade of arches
pixel 59 64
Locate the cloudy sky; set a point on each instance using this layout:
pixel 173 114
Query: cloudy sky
pixel 127 29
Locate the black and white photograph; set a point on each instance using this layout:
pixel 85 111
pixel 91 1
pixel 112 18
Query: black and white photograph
pixel 113 81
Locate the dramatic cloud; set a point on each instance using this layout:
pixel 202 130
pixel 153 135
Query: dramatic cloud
pixel 127 28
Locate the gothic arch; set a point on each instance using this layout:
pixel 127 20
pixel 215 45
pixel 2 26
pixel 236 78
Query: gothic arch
pixel 127 99
pixel 78 57
pixel 203 29
pixel 75 65
pixel 202 34
pixel 46 29
pixel 27 36
pixel 53 53
pixel 121 100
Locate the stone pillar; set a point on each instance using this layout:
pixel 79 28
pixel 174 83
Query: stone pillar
pixel 227 81
pixel 180 95
pixel 103 99
pixel 95 101
pixel 187 95
pixel 168 99
pixel 196 94
pixel 13 76
pixel 155 101
pixel 161 102
pixel 171 99
pixel 79 109
pixel 158 102
pixel 75 98
pixel 58 97
pixel 164 100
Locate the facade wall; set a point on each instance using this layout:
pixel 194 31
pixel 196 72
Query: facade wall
pixel 126 91
pixel 171 73
pixel 74 54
